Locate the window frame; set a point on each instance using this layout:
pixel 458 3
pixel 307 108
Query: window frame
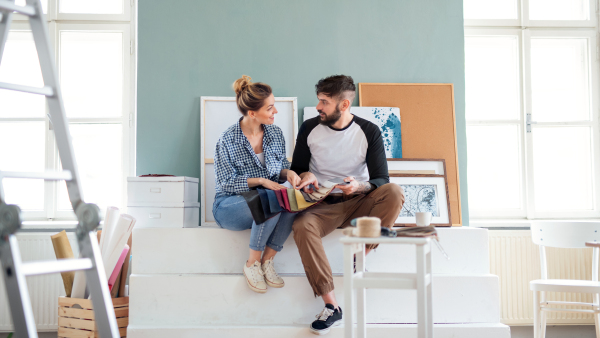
pixel 51 216
pixel 524 30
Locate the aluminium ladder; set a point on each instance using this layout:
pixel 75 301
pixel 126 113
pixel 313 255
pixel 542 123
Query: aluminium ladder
pixel 88 215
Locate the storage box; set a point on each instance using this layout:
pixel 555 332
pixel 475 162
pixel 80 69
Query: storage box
pixel 173 192
pixel 76 317
pixel 156 217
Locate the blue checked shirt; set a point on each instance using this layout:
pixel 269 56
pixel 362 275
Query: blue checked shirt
pixel 235 160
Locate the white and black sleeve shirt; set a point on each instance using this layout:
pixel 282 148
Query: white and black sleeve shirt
pixel 356 150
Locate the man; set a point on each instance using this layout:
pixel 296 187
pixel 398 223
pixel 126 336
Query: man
pixel 337 144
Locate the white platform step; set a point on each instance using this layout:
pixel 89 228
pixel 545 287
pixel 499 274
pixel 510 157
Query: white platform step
pixel 215 250
pixel 301 331
pixel 222 300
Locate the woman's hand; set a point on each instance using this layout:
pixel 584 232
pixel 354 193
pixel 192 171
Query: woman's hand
pixel 268 184
pixel 293 178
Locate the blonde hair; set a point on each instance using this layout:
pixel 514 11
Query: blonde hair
pixel 250 95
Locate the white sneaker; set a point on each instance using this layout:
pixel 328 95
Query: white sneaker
pixel 255 277
pixel 271 276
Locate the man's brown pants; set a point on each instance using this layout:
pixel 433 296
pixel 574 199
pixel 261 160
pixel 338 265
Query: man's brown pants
pixel 317 222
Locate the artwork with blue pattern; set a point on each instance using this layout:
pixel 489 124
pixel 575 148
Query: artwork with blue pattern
pixel 386 118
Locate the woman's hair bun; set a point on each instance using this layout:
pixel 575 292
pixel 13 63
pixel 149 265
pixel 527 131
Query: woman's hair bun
pixel 241 84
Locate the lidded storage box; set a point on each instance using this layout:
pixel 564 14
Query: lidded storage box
pixel 164 202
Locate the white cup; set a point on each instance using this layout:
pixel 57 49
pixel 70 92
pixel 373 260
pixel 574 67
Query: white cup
pixel 423 218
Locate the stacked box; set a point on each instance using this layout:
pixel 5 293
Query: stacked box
pixel 163 202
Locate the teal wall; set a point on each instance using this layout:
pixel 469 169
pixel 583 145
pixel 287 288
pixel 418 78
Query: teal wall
pixel 193 48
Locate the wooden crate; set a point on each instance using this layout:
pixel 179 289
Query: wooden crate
pixel 76 317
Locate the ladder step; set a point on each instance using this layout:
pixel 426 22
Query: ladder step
pixel 48 176
pixel 6 6
pixel 61 265
pixel 47 91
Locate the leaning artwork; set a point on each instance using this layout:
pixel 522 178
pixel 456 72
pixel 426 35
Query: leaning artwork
pixel 419 198
pixel 386 118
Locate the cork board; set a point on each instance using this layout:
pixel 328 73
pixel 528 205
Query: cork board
pixel 428 125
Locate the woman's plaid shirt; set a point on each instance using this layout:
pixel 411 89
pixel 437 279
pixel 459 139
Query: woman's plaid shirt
pixel 235 160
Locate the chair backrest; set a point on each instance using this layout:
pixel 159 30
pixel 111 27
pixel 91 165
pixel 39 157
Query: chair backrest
pixel 565 234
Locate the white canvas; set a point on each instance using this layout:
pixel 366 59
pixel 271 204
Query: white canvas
pixel 216 115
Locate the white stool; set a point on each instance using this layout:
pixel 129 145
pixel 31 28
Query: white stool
pixel 361 280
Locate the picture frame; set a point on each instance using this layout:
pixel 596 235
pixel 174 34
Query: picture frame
pixel 423 192
pixel 217 113
pixel 409 166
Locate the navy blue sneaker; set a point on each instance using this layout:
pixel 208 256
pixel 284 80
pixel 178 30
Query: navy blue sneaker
pixel 328 318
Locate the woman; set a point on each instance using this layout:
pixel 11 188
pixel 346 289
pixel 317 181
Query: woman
pixel 251 153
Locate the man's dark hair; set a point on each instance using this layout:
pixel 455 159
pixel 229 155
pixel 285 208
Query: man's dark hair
pixel 338 87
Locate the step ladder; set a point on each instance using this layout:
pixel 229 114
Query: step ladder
pixel 14 270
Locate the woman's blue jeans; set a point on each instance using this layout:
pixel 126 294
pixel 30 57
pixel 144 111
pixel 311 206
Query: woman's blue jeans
pixel 232 213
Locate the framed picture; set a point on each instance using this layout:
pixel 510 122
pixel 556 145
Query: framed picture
pixel 386 118
pixel 420 166
pixel 423 193
pixel 216 115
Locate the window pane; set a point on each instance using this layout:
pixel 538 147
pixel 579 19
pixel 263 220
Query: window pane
pixel 560 79
pixel 91 6
pixel 490 9
pixel 44 4
pixel 91 66
pixel 494 170
pixel 20 65
pixel 492 77
pixel 98 151
pixel 559 9
pixel 562 167
pixel 23 149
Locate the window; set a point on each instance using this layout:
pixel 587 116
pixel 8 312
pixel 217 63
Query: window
pixel 93 49
pixel 532 108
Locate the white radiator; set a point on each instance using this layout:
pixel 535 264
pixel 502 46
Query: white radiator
pixel 516 260
pixel 44 290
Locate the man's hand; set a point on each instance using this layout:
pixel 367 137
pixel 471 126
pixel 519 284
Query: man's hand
pixel 354 186
pixel 307 179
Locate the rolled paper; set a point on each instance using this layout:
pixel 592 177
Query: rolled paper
pixel 114 289
pixel 63 250
pixel 120 235
pixel 292 200
pixel 110 221
pixel 117 270
pixel 79 282
pixel 125 269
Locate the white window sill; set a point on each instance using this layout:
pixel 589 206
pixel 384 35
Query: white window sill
pixel 516 223
pixel 51 225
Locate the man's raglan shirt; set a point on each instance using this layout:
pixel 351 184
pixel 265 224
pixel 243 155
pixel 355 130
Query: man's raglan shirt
pixel 356 150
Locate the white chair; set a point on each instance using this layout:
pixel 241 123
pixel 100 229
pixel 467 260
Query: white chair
pixel 575 234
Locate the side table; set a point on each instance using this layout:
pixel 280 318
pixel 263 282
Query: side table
pixel 361 280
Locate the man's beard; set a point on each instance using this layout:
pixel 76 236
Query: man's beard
pixel 330 120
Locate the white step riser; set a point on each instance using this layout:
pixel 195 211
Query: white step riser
pixel 373 331
pixel 220 300
pixel 215 250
